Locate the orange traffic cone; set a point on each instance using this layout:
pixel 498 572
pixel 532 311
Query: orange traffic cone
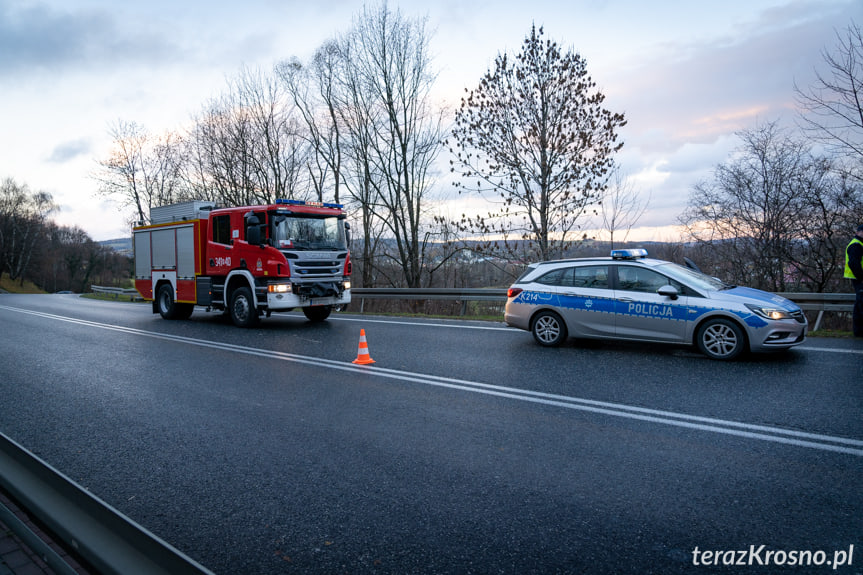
pixel 363 357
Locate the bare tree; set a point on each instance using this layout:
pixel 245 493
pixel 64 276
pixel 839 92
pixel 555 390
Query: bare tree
pixel 23 216
pixel 277 143
pixel 621 207
pixel 246 147
pixel 832 109
pixel 773 214
pixel 339 114
pixel 358 112
pixel 832 205
pixel 222 141
pixel 121 174
pixel 395 134
pixel 199 183
pixel 536 141
pixel 313 89
pixel 142 170
pixel 747 213
pixel 162 169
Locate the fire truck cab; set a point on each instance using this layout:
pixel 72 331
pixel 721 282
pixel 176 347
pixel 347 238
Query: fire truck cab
pixel 247 261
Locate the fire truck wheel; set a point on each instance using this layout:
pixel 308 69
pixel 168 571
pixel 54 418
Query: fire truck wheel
pixel 317 313
pixel 243 312
pixel 167 307
pixel 184 310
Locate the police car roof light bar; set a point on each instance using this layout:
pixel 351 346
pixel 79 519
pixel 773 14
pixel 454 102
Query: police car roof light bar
pixel 630 254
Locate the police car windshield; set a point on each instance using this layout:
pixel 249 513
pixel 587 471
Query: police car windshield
pixel 692 278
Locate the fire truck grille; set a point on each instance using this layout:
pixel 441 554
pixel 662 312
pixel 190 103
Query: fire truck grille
pixel 316 263
pixel 317 268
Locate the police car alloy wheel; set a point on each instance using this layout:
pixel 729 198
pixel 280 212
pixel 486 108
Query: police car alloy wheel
pixel 548 329
pixel 721 339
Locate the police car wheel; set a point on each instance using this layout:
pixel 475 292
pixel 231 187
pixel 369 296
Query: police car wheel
pixel 243 312
pixel 548 329
pixel 721 339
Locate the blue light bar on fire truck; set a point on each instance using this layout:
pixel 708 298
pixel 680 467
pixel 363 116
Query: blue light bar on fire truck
pixel 283 202
pixel 631 254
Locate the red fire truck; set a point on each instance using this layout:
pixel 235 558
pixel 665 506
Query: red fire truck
pixel 247 261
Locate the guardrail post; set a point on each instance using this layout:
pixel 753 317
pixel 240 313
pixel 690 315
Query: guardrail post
pixel 818 320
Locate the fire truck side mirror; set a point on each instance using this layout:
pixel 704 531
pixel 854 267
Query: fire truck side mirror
pixel 347 233
pixel 253 235
pixel 253 230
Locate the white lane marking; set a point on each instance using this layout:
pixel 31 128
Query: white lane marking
pixel 429 324
pixel 831 350
pixel 752 431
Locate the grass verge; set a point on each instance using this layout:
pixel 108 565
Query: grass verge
pixel 15 286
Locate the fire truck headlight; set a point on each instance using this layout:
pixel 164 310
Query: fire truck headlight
pixel 279 288
pixel 347 285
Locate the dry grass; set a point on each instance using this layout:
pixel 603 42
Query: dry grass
pixel 16 287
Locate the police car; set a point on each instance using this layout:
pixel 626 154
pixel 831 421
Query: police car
pixel 629 296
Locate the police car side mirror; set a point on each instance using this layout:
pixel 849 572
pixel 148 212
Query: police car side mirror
pixel 668 291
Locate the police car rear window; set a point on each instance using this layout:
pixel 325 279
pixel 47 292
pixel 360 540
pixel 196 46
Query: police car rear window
pixel 591 277
pixel 578 277
pixel 558 277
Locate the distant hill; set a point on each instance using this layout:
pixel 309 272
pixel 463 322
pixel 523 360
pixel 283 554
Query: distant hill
pixel 119 245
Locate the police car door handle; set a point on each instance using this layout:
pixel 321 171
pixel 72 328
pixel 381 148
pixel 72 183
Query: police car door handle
pixel 627 299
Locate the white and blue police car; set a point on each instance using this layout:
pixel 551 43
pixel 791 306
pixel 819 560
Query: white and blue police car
pixel 629 296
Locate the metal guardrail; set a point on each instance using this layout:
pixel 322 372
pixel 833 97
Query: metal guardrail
pixel 820 302
pixel 458 294
pixel 815 300
pixel 108 540
pixel 131 292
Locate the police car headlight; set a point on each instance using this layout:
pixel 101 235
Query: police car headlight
pixel 769 312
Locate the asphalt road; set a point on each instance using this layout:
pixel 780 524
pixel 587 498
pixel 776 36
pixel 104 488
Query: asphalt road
pixel 466 448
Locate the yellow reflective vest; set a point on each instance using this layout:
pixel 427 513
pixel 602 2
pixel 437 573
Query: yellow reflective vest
pixel 848 273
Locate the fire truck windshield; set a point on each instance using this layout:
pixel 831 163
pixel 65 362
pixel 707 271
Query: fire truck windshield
pixel 302 232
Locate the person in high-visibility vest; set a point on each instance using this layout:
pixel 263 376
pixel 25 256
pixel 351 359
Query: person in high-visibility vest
pixel 854 272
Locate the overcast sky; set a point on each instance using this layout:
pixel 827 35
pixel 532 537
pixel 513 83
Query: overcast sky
pixel 687 74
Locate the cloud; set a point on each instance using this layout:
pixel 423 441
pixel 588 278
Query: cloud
pixel 697 91
pixel 36 37
pixel 70 150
